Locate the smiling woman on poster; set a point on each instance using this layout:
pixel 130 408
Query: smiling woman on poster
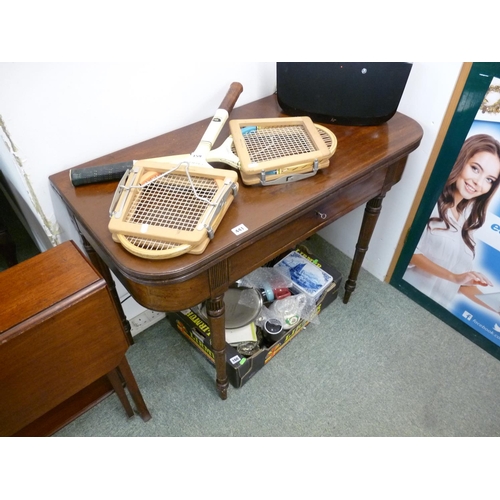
pixel 442 264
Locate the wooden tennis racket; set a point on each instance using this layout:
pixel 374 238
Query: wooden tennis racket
pixel 148 248
pixel 279 146
pixel 296 172
pixel 172 205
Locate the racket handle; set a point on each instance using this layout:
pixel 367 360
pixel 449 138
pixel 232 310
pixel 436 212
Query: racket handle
pixel 232 95
pixel 218 121
pixel 103 173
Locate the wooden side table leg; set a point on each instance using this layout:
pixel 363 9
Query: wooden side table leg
pixel 134 390
pixel 104 271
pixel 216 318
pixel 372 211
pixel 114 378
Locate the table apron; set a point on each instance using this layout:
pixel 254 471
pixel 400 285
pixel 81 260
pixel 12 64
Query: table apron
pixel 284 238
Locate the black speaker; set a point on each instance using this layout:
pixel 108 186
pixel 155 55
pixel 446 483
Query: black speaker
pixel 353 93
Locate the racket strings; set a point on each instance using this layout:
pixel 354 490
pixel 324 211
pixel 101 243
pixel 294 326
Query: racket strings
pixel 327 139
pixel 152 245
pixel 168 172
pixel 268 143
pixel 174 201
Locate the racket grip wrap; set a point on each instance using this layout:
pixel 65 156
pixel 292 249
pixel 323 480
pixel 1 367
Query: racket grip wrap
pixel 103 173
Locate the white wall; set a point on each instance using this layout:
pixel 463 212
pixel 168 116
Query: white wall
pixel 61 114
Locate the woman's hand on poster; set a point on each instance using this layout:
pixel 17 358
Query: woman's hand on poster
pixel 472 278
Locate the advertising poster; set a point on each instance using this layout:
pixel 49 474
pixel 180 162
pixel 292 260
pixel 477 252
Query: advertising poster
pixel 452 261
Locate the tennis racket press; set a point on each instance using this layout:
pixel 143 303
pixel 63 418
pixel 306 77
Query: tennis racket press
pixel 169 206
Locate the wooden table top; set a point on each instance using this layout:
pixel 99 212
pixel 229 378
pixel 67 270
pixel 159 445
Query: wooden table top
pixel 360 152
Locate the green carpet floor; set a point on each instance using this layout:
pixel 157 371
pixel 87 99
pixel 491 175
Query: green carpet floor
pixel 378 366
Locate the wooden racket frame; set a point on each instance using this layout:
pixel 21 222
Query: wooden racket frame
pixel 250 167
pixel 194 160
pixel 295 172
pixel 169 249
pixel 227 186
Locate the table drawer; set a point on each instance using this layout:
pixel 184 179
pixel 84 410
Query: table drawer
pixel 289 234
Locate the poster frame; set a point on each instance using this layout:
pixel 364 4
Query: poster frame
pixel 469 103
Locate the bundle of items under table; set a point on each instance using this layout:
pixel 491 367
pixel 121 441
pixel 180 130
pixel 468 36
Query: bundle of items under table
pixel 264 311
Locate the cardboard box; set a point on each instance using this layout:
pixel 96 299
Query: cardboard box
pixel 241 369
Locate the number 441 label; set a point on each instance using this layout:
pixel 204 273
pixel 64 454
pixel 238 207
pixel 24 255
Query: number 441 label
pixel 239 229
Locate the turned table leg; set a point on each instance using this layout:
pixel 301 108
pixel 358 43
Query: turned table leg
pixel 370 217
pixel 216 318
